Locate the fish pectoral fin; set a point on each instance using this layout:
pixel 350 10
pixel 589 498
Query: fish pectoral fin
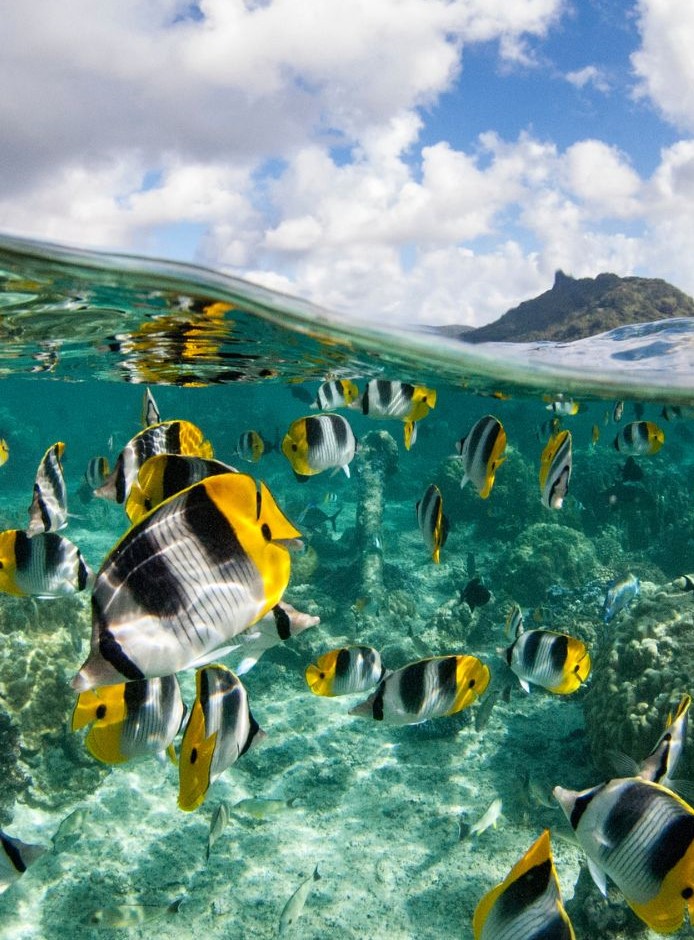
pixel 208 658
pixel 525 685
pixel 685 789
pixel 624 765
pixel 598 876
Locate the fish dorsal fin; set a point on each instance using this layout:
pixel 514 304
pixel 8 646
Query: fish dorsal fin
pixel 623 765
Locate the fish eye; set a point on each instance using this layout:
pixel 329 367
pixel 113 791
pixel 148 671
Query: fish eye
pixel 577 667
pixel 267 532
pixel 687 892
pixel 1 565
pixel 322 675
pixel 193 755
pixel 101 711
pixel 294 447
pixel 471 684
pixel 667 737
pixel 148 503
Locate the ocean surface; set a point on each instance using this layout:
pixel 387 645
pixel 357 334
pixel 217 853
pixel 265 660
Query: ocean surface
pixel 382 811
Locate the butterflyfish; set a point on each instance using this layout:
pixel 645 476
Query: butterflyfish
pixel 319 442
pixel 44 565
pixel 48 510
pixel 660 764
pixel 555 661
pixel 168 437
pixel 427 688
pixel 394 399
pixel 97 472
pixel 337 393
pixel 132 719
pixel 251 446
pixel 165 475
pixel 345 670
pixel 220 729
pixel 432 523
pixel 527 905
pixel 641 835
pixel 15 857
pixel 640 438
pixel 620 593
pixel 564 406
pixel 4 451
pixel 150 410
pixel 482 453
pixel 195 572
pixel 555 470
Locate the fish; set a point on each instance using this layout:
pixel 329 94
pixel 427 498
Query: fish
pixel 251 446
pixel 554 661
pixel 514 622
pixel 319 442
pixel 150 410
pixel 564 406
pixel 97 472
pixel 489 818
pixel 527 905
pixel 595 434
pixel 48 510
pixel 261 808
pixel 337 393
pixel 432 523
pixel 4 451
pixel 345 670
pixel 640 438
pixel 312 517
pixel 132 719
pixel 295 905
pixel 128 916
pixel 684 583
pixel 165 475
pixel 475 594
pixel 427 688
pixel 220 729
pixel 199 569
pixel 620 593
pixel 70 828
pixel 630 471
pixel 45 565
pixel 400 400
pixel 168 437
pixel 641 835
pixel 617 412
pixel 277 626
pixel 218 823
pixel 482 453
pixel 555 470
pixel 15 857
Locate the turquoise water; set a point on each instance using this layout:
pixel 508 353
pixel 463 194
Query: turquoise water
pixel 377 808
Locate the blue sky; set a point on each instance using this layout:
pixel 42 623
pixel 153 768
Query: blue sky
pixel 415 160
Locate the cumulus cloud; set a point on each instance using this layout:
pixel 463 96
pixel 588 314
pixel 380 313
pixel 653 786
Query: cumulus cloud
pixel 664 63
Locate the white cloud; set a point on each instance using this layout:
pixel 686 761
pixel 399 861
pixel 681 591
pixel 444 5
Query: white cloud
pixel 589 75
pixel 664 64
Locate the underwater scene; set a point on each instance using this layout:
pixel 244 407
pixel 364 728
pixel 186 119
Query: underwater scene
pixel 309 629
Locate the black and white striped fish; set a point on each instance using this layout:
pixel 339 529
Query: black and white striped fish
pixel 345 670
pixel 427 688
pixel 555 661
pixel 204 565
pixel 43 565
pixel 641 835
pixel 555 470
pixel 482 453
pixel 661 763
pixel 169 437
pixel 527 904
pixel 337 393
pixel 97 472
pixel 133 719
pixel 432 522
pixel 15 857
pixel 394 399
pixel 48 510
pixel 220 729
pixel 319 442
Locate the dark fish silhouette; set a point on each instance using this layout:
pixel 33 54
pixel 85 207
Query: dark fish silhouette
pixel 475 594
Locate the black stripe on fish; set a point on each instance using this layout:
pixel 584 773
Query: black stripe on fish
pixel 490 430
pixel 342 663
pixel 413 686
pixel 558 651
pixel 314 432
pixel 120 479
pixel 22 550
pixel 176 477
pixel 135 695
pixel 384 392
pixel 632 803
pixel 12 853
pixel 42 507
pixel 109 647
pixel 339 430
pixel 283 624
pixel 252 731
pixel 54 473
pixel 141 566
pixel 671 846
pixel 525 890
pixel 530 648
pixel 173 438
pixel 555 929
pixel 377 704
pixel 446 672
pixel 213 530
pixel 82 573
pixel 581 805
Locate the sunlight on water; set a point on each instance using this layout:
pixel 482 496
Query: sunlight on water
pixel 400 815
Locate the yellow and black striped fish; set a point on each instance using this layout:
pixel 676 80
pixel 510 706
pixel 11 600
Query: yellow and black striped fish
pixel 165 475
pixel 394 399
pixel 97 472
pixel 220 729
pixel 345 670
pixel 527 904
pixel 427 688
pixel 555 470
pixel 641 835
pixel 48 510
pixel 319 442
pixel 193 573
pixel 337 393
pixel 169 437
pixel 432 522
pixel 554 661
pixel 482 453
pixel 251 446
pixel 43 565
pixel 133 719
pixel 15 857
pixel 640 438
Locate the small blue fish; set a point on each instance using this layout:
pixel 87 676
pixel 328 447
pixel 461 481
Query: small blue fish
pixel 620 593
